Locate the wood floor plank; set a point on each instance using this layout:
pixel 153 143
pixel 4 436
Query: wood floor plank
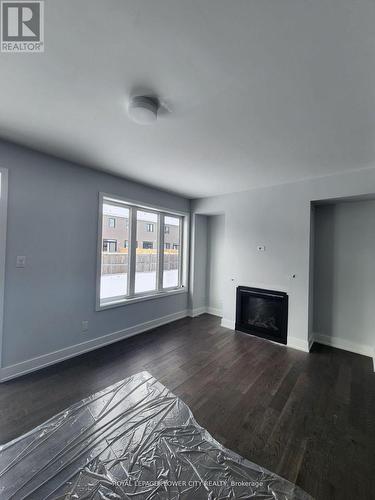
pixel 308 417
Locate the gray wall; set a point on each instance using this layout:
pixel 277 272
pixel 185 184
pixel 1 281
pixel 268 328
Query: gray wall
pixel 279 218
pixel 198 264
pixel 344 272
pixel 46 302
pixel 215 262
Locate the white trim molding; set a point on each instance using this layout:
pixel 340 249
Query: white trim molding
pixel 215 311
pixel 293 342
pixel 193 313
pixel 228 323
pixel 3 232
pixel 205 310
pixel 300 344
pixel 153 296
pixel 339 343
pixel 30 365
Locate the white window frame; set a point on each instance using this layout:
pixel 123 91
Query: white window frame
pixel 161 212
pixel 3 232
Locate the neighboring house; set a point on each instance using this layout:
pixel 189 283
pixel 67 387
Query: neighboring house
pixel 116 234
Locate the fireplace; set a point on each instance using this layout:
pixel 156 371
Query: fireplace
pixel 263 313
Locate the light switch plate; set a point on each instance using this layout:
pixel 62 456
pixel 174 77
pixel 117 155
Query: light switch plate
pixel 21 261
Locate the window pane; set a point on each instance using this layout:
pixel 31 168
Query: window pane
pixel 115 235
pixel 109 246
pixel 172 245
pixel 146 252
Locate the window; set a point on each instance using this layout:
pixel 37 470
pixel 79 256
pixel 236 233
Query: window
pixel 111 222
pixel 146 257
pixel 114 266
pixel 172 258
pixel 150 262
pixel 109 246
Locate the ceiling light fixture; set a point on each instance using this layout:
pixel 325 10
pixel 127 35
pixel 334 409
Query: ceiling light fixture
pixel 143 109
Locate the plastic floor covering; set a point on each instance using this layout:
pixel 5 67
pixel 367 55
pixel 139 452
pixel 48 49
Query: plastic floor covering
pixel 134 440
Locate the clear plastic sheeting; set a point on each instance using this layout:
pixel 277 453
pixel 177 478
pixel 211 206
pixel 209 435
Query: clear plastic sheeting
pixel 134 440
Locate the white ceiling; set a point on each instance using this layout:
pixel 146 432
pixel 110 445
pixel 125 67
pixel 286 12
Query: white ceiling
pixel 261 92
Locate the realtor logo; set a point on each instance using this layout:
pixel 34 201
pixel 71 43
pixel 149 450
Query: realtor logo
pixel 22 26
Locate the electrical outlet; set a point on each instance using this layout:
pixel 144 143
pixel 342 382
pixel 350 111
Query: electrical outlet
pixel 85 326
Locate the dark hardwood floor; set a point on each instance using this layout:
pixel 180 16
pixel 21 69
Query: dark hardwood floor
pixel 308 417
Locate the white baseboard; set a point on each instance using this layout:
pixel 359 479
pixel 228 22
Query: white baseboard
pixel 300 344
pixel 193 313
pixel 18 369
pixel 228 323
pixel 311 341
pixel 365 350
pixel 214 311
pixel 203 310
pixel 293 342
pixel 30 365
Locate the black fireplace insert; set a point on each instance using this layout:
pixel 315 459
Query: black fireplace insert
pixel 263 313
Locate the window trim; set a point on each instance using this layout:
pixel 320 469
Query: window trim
pixel 131 297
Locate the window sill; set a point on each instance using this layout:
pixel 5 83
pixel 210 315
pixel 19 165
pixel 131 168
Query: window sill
pixel 133 300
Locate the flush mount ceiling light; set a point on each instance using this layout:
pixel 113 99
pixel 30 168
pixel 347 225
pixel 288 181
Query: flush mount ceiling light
pixel 143 109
